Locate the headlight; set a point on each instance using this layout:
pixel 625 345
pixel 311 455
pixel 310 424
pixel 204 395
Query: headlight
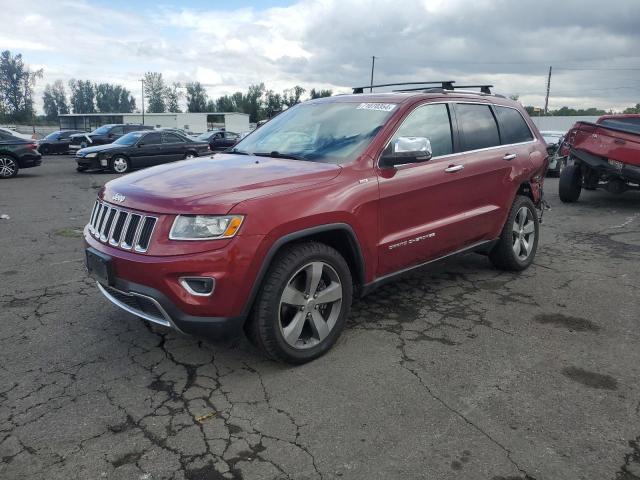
pixel 91 155
pixel 204 227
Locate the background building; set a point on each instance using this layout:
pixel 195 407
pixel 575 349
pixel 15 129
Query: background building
pixel 192 122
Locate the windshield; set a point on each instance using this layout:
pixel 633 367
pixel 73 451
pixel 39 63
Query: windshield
pixel 102 130
pixel 319 132
pixel 204 136
pixel 129 138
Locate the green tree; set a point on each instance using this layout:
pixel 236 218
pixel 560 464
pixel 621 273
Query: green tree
pixel 292 96
pixel 173 94
pixel 313 93
pixel 155 92
pixel 635 109
pixel 54 100
pixel 112 98
pixel 225 104
pixel 272 103
pixel 196 97
pixel 82 96
pixel 17 82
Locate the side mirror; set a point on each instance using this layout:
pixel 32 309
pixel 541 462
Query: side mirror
pixel 140 144
pixel 406 150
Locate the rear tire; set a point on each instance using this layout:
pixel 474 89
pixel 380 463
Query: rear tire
pixel 570 183
pixel 292 319
pixel 8 166
pixel 518 241
pixel 44 150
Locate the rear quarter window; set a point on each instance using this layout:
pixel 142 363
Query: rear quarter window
pixel 478 126
pixel 513 128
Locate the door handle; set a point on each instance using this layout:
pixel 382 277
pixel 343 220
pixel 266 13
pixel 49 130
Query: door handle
pixel 509 156
pixel 453 168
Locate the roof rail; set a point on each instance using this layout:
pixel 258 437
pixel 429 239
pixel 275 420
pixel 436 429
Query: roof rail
pixel 484 89
pixel 446 84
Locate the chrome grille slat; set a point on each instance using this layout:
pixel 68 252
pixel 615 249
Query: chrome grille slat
pixel 121 228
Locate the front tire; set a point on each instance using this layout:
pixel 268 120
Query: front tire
pixel 44 150
pixel 518 242
pixel 8 167
pixel 120 165
pixel 570 184
pixel 189 155
pixel 303 303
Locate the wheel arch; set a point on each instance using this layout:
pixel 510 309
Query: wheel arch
pixel 337 235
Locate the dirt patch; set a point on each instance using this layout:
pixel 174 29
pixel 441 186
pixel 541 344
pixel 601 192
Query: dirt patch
pixel 591 379
pixel 575 324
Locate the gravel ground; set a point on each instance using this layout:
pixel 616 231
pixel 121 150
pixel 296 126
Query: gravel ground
pixel 458 372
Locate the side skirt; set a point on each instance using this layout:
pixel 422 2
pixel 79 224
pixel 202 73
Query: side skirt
pixel 483 247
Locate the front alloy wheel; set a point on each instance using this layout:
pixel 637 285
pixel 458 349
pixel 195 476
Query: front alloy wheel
pixel 310 305
pixel 120 165
pixel 8 167
pixel 302 304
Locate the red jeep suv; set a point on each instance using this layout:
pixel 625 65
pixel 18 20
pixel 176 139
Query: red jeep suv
pixel 328 200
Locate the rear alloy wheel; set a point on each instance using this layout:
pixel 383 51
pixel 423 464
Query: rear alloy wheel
pixel 570 184
pixel 518 242
pixel 8 167
pixel 120 165
pixel 303 303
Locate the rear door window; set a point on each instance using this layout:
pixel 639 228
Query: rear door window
pixel 431 122
pixel 117 131
pixel 478 126
pixel 172 138
pixel 513 128
pixel 152 139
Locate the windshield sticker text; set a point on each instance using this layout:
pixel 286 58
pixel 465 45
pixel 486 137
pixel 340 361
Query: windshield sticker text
pixel 381 107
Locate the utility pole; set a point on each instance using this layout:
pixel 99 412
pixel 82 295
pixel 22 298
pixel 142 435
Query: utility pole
pixel 142 81
pixel 546 100
pixel 373 64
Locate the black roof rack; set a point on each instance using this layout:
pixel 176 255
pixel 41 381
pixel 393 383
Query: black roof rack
pixel 485 89
pixel 446 84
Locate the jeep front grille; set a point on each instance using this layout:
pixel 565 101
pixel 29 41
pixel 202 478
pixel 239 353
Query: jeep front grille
pixel 121 228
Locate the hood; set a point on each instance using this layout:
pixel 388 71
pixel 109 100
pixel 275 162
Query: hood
pixel 98 148
pixel 214 184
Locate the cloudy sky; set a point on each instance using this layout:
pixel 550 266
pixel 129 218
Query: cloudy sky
pixel 593 46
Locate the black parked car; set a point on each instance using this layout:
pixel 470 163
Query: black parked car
pixel 103 135
pixel 56 142
pixel 219 139
pixel 139 149
pixel 17 153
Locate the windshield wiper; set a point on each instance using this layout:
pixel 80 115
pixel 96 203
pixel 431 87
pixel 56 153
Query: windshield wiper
pixel 238 152
pixel 275 154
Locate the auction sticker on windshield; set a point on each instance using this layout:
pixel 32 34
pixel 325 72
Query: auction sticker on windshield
pixel 382 107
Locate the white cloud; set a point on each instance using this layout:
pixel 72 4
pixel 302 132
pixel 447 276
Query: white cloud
pixel 329 43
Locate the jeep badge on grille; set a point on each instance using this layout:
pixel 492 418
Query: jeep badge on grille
pixel 117 197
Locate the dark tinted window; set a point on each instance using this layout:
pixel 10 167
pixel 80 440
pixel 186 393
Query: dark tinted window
pixel 432 122
pixel 513 128
pixel 152 139
pixel 172 138
pixel 478 125
pixel 117 131
pixel 629 124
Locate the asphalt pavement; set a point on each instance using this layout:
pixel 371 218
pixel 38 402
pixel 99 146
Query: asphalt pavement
pixel 457 372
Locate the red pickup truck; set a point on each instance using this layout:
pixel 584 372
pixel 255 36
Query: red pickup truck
pixel 605 154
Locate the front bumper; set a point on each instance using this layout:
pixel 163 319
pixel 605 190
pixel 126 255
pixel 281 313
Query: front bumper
pixel 149 286
pixel 89 163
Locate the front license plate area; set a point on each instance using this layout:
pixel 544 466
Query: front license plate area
pixel 99 266
pixel 616 164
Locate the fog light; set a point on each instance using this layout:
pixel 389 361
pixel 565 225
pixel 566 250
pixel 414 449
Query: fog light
pixel 198 286
pixel 103 162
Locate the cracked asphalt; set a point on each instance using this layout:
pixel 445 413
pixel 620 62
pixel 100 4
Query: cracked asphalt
pixel 457 372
